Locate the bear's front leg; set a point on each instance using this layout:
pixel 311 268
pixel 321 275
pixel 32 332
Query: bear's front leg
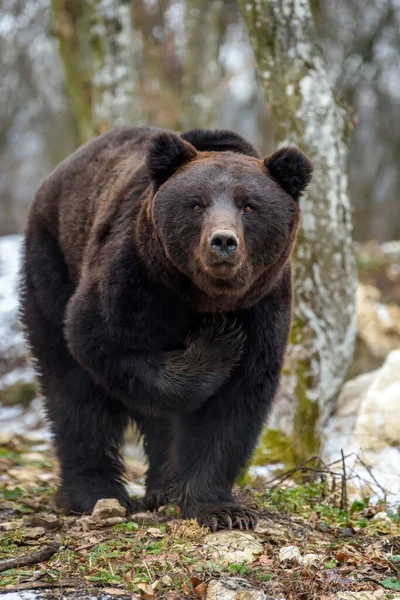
pixel 216 442
pixel 214 445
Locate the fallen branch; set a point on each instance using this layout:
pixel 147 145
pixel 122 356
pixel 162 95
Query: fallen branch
pixel 61 583
pixel 30 559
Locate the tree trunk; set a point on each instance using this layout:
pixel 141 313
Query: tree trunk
pixel 292 72
pixel 71 24
pixel 202 71
pixel 97 49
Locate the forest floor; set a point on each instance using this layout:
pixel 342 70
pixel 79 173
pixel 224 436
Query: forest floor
pixel 306 546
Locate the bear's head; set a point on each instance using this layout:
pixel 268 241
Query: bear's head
pixel 225 218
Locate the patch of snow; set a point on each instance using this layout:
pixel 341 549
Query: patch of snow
pixel 18 375
pixel 12 343
pixel 20 420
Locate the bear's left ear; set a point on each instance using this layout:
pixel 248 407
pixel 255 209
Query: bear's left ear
pixel 291 169
pixel 166 154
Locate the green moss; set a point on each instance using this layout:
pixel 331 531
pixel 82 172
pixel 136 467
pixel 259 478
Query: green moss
pixel 72 20
pixel 305 435
pixel 18 393
pixel 296 335
pixel 275 447
pixel 292 450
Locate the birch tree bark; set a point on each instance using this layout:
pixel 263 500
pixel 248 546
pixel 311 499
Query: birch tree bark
pixel 202 71
pixel 97 48
pixel 292 73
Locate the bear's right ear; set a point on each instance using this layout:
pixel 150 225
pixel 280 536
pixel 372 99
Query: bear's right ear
pixel 167 153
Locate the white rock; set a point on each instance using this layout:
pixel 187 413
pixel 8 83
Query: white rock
pixel 381 516
pixel 106 508
pixel 353 393
pixel 270 531
pixel 377 595
pixel 378 325
pixel 371 432
pixel 34 532
pixel 377 424
pixel 232 547
pixel 142 517
pixel 233 588
pixel 311 560
pixel 290 554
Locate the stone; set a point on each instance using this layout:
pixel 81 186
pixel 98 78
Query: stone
pixel 381 516
pixel 86 523
pixel 272 532
pixel 142 517
pixel 311 560
pixel 106 508
pixel 166 580
pixel 232 547
pixel 353 393
pixel 290 554
pixel 46 521
pixel 375 426
pixel 34 533
pixel 233 588
pixel 111 521
pixel 372 595
pixel 32 457
pixel 368 429
pixel 6 437
pixel 378 326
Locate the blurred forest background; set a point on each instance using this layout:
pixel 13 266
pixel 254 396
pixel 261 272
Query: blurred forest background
pixel 191 65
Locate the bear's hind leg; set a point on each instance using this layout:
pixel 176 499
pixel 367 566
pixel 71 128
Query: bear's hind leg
pixel 161 476
pixel 88 426
pixel 88 429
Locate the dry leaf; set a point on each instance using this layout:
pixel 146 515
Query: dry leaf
pixel 154 532
pixel 265 560
pixel 147 590
pixel 343 557
pixel 115 592
pixel 185 589
pixel 195 581
pixel 201 590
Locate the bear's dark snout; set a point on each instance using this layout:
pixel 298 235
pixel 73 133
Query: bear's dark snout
pixel 224 243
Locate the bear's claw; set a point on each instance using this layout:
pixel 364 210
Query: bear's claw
pixel 228 517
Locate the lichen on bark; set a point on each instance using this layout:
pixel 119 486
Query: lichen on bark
pixel 292 73
pixel 202 71
pixel 97 48
pixel 114 75
pixel 71 22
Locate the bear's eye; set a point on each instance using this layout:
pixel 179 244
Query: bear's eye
pixel 247 209
pixel 197 208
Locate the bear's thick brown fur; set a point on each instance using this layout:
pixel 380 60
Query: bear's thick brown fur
pixel 156 287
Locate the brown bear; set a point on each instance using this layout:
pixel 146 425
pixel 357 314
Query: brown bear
pixel 156 287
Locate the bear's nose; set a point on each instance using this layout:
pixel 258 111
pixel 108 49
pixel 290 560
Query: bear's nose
pixel 224 242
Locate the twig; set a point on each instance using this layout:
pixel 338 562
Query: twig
pixel 369 470
pixel 32 585
pixel 343 498
pixel 287 474
pixel 30 559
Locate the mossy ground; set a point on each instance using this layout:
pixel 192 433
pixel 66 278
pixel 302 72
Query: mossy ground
pixel 161 556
